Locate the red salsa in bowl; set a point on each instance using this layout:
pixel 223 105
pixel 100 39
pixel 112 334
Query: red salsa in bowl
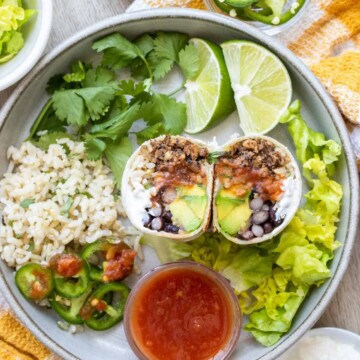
pixel 182 310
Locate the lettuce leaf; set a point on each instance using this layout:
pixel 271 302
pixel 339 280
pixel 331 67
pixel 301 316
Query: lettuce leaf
pixel 12 18
pixel 167 250
pixel 9 17
pixel 248 268
pixel 309 142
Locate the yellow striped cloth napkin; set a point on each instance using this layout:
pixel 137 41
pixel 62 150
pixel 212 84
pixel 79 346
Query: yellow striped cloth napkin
pixel 327 40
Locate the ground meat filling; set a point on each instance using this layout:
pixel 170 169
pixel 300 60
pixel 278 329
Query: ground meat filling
pixel 255 168
pixel 175 162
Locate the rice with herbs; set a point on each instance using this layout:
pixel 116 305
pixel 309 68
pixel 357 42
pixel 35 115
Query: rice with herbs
pixel 54 198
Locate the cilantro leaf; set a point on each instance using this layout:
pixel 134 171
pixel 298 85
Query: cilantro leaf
pixel 119 126
pixel 78 106
pixel 173 113
pixel 97 100
pixel 94 147
pixel 132 88
pixel 117 155
pixel 167 45
pixel 139 70
pixel 162 108
pixel 150 132
pixel 117 106
pixel 48 139
pixel 26 203
pixel 99 77
pixel 145 43
pixel 77 74
pixel 189 61
pixel 118 51
pixel 149 112
pixel 160 67
pixel 70 107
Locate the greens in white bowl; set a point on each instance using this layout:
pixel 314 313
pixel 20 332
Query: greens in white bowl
pixel 23 41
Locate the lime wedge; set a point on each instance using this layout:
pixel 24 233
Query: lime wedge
pixel 209 97
pixel 261 84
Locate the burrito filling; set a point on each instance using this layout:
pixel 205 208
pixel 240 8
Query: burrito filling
pixel 176 181
pixel 252 178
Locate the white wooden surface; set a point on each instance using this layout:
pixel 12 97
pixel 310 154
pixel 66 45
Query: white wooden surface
pixel 73 15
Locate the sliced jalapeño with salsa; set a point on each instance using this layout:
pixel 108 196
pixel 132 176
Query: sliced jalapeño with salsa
pixel 71 275
pixel 109 261
pixel 69 309
pixel 34 281
pixel 101 311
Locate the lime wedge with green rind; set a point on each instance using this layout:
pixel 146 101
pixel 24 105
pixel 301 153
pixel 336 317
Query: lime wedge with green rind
pixel 261 84
pixel 209 96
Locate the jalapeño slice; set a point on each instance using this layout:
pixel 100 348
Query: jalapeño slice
pixel 71 275
pixel 108 261
pixel 101 314
pixel 34 281
pixel 69 309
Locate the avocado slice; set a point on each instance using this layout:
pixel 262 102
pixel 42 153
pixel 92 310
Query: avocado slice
pixel 224 206
pixel 193 190
pixel 184 215
pixel 237 219
pixel 197 204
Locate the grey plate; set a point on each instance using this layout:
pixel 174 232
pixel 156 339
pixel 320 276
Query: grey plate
pixel 318 109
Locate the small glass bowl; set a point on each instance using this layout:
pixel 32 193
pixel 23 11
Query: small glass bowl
pixel 220 281
pixel 268 29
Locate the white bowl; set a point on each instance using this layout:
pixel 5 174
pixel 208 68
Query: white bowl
pixel 36 33
pixel 338 335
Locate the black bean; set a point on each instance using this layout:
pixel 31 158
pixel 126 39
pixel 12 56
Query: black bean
pixel 157 224
pixel 268 228
pixel 279 221
pixel 265 207
pixel 168 195
pixel 146 220
pixel 246 235
pixel 257 230
pixel 170 228
pixel 272 215
pixel 275 221
pixel 256 203
pixel 269 203
pixel 156 210
pixel 259 217
pixel 167 216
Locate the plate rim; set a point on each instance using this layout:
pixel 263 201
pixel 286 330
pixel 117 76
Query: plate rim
pixel 274 46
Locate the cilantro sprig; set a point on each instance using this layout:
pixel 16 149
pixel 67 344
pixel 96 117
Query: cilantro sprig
pixel 99 104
